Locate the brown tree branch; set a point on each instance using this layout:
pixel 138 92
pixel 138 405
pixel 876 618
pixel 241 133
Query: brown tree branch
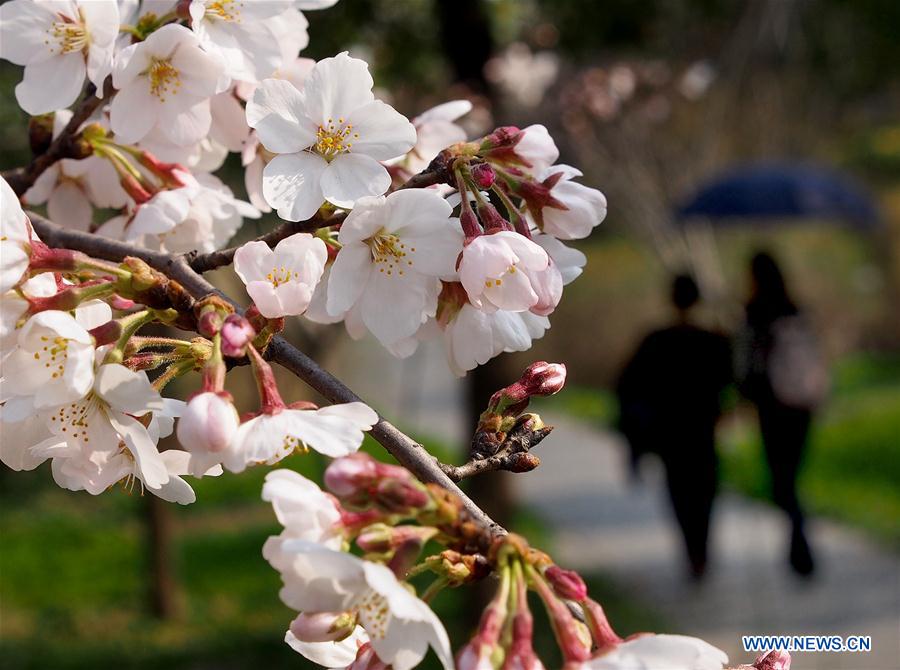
pixel 407 451
pixel 215 259
pixel 513 455
pixel 21 179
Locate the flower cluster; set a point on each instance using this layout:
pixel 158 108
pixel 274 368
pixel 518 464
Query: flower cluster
pixel 75 388
pixel 351 609
pixel 398 228
pixel 477 259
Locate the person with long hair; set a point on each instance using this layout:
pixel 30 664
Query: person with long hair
pixel 782 373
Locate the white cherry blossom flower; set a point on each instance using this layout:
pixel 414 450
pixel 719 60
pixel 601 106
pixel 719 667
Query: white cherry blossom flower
pixel 13 307
pixel 22 444
pixel 239 32
pixel 281 281
pixel 400 627
pixel 473 337
pixel 570 262
pixel 201 216
pixel 330 138
pixel 491 271
pixel 394 250
pixel 649 652
pixel 585 206
pixel 53 362
pixel 72 188
pixel 536 148
pixel 15 238
pixel 305 511
pixel 165 83
pixel 58 43
pixel 336 430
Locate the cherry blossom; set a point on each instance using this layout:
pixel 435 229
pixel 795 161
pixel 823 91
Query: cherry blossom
pixel 58 43
pixel 536 149
pixel 14 306
pixel 329 138
pixel 400 627
pixel 53 362
pixel 15 238
pixel 582 207
pixel 393 251
pixel 239 33
pixel 648 652
pixel 335 431
pixel 281 281
pixel 165 83
pixel 491 271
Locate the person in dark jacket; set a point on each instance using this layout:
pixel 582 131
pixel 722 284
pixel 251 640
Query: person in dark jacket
pixel 669 397
pixel 783 375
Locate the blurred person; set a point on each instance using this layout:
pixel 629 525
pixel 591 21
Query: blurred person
pixel 669 399
pixel 782 372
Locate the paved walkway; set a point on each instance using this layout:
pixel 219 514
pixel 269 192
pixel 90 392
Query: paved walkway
pixel 604 524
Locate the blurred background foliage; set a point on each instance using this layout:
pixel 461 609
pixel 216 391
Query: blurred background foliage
pixel 647 98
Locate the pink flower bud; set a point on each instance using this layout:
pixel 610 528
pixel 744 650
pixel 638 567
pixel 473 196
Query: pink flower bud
pixel 323 626
pixel 773 660
pixel 566 584
pixel 483 175
pixel 210 323
pixel 236 334
pixel 118 302
pixel 208 423
pixel 381 538
pixel 544 378
pixel 398 497
pixel 492 219
pixel 345 476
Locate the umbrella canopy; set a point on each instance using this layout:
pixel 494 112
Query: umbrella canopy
pixel 779 191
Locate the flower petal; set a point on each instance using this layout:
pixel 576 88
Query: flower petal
pixel 278 114
pixel 292 185
pixel 51 84
pixel 350 177
pixel 127 391
pixel 384 132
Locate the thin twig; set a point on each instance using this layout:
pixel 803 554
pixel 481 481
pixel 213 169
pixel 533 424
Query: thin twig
pixel 20 180
pixel 513 454
pixel 412 455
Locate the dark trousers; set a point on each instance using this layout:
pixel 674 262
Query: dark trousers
pixel 691 474
pixel 784 431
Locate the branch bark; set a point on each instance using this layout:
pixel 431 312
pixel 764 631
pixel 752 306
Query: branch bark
pixel 412 455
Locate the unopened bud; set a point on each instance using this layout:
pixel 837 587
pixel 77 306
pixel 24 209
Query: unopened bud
pixel 208 422
pixel 483 175
pixel 379 538
pixel 773 660
pixel 492 220
pixel 398 497
pixel 544 378
pixel 236 334
pixel 345 476
pixel 522 462
pixel 210 323
pixel 323 626
pixel 566 584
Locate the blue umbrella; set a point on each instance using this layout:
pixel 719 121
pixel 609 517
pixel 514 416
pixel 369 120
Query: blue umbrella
pixel 779 191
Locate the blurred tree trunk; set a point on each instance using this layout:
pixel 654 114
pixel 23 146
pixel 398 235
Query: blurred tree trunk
pixel 466 40
pixel 162 586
